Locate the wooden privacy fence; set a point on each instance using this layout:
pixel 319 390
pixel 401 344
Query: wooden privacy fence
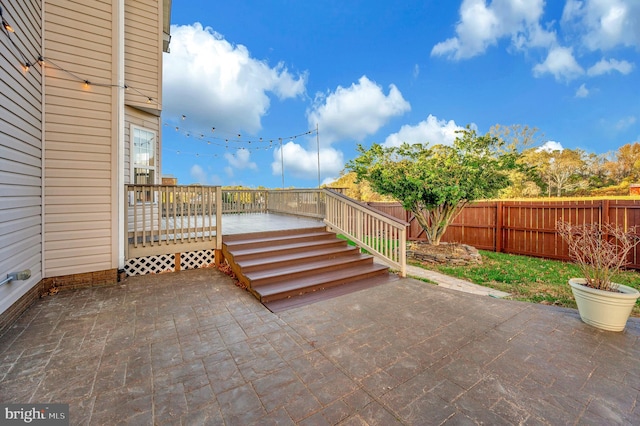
pixel 525 227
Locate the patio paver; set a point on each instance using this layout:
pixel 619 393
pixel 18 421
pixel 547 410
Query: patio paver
pixel 192 348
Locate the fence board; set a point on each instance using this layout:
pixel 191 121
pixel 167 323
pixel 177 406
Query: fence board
pixel 525 227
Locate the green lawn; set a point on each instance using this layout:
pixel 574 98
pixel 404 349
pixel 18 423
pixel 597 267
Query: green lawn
pixel 528 278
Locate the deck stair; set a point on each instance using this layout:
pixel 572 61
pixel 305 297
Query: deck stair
pixel 287 268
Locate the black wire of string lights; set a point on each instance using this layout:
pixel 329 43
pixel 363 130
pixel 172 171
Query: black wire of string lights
pixel 230 140
pixel 26 64
pixel 8 30
pixel 235 139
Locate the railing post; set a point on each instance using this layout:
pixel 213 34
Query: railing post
pixel 217 252
pixel 126 222
pixel 403 252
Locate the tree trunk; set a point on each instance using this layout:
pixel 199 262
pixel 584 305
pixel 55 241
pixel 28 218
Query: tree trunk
pixel 435 221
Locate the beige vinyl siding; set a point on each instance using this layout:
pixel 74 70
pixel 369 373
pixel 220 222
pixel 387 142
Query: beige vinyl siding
pixel 143 52
pixel 20 152
pixel 80 138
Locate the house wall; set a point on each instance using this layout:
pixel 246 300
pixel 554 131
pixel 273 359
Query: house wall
pixel 80 137
pixel 20 157
pixel 82 124
pixel 62 142
pixel 143 72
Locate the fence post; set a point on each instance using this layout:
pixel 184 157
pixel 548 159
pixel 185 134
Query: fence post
pixel 604 216
pixel 498 229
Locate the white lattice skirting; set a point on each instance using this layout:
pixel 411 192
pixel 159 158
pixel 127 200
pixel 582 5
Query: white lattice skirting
pixel 167 262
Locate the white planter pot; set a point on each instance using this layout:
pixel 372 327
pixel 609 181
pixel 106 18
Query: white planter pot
pixel 607 310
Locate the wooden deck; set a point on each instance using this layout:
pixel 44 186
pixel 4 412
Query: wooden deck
pixel 248 223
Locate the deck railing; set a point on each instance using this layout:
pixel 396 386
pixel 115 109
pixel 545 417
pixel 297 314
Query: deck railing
pixel 170 219
pixel 244 201
pixel 298 202
pixel 381 235
pixel 165 219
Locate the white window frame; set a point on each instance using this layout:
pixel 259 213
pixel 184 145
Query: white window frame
pixel 132 156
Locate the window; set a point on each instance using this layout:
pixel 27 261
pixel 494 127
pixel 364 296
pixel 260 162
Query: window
pixel 143 160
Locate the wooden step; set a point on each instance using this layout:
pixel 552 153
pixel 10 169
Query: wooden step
pixel 272 234
pixel 254 243
pixel 277 260
pixel 262 252
pixel 284 265
pixel 302 270
pixel 296 287
pixel 280 305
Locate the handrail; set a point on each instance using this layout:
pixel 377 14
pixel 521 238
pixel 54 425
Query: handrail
pixel 165 218
pixel 244 201
pixel 298 202
pixel 382 235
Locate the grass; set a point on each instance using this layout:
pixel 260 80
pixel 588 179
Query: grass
pixel 529 279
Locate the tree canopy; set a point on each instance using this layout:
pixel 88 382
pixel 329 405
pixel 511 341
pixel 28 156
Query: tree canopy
pixel 436 182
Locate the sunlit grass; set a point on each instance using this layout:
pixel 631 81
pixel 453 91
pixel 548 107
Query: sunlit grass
pixel 528 278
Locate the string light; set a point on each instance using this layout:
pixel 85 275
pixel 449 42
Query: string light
pixel 8 28
pixel 234 138
pixel 26 64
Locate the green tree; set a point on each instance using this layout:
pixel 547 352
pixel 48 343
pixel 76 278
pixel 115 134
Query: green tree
pixel 435 183
pixel 560 169
pixel 517 136
pixel 628 162
pixel 360 191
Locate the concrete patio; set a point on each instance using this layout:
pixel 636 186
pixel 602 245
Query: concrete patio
pixel 191 348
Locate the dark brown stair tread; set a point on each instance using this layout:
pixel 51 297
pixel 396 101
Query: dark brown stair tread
pixel 278 239
pixel 273 234
pixel 277 248
pixel 281 305
pixel 285 286
pixel 285 270
pixel 277 257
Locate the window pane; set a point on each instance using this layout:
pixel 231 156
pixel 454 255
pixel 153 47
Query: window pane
pixel 144 148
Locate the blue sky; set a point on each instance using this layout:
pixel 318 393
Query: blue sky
pixel 242 75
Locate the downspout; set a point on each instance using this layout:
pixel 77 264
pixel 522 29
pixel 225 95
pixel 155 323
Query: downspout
pixel 121 95
pixel 42 145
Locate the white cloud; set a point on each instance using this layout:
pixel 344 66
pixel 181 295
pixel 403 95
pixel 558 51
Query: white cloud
pixel 431 131
pixel 303 163
pixel 603 24
pixel 560 63
pixel 481 25
pixel 356 111
pixel 625 123
pixel 607 66
pixel 551 146
pixel 199 175
pixel 241 160
pixel 216 83
pixel 582 91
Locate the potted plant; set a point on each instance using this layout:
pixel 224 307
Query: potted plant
pixel 600 250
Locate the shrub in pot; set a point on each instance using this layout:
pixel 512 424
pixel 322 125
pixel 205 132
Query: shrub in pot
pixel 600 251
